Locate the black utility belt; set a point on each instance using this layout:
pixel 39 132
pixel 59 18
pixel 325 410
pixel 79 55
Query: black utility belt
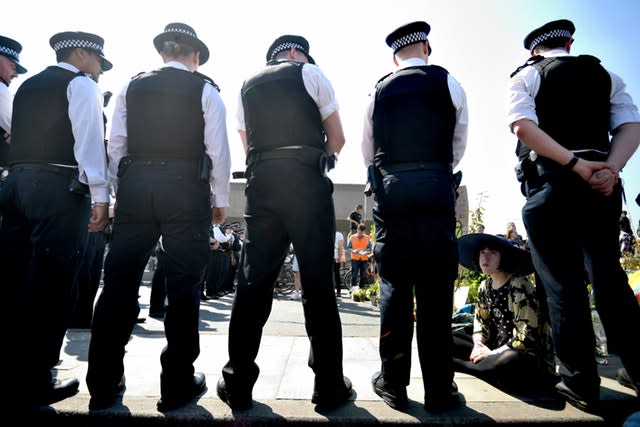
pixel 71 172
pixel 310 156
pixel 414 166
pixel 202 166
pixel 163 162
pixel 63 170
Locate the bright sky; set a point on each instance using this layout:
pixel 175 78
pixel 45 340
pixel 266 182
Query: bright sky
pixel 479 42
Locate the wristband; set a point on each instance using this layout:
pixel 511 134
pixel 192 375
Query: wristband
pixel 572 163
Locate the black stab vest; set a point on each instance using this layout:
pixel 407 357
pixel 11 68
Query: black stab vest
pixel 414 118
pixel 41 128
pixel 573 103
pixel 278 111
pixel 164 115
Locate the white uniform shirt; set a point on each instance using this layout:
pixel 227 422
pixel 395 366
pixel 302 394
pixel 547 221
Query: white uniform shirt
pixel 338 247
pixel 87 126
pixel 523 89
pixel 220 236
pixel 215 139
pixel 459 100
pixel 6 106
pixel 318 87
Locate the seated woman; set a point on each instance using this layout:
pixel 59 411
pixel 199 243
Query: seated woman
pixel 510 347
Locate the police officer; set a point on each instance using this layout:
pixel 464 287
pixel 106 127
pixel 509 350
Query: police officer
pixel 234 256
pixel 10 67
pixel 219 262
pixel 289 125
pixel 563 109
pixel 168 152
pixel 415 133
pixel 56 169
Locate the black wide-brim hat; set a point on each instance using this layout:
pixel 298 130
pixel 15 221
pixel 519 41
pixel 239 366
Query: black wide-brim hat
pixel 560 29
pixel 517 260
pixel 11 49
pixel 287 42
pixel 183 34
pixel 74 39
pixel 407 34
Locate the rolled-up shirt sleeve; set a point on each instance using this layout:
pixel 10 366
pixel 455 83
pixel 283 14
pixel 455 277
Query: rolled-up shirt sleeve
pixel 367 146
pixel 320 89
pixel 117 144
pixel 87 125
pixel 6 106
pixel 461 130
pixel 521 91
pixel 217 145
pixel 623 110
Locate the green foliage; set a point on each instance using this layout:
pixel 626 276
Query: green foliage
pixel 478 214
pixel 631 262
pixel 467 277
pixel 472 279
pixel 359 295
pixel 372 291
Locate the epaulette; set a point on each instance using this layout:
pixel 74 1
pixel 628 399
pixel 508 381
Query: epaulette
pixel 138 75
pixel 590 58
pixel 437 67
pixel 531 61
pixel 207 79
pixel 382 78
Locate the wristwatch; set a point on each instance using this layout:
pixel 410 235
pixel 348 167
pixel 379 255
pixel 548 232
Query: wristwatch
pixel 569 166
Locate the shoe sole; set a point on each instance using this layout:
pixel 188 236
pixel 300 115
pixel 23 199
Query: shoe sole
pixel 166 407
pixel 583 405
pixel 328 404
pixel 391 401
pixel 625 381
pixel 223 394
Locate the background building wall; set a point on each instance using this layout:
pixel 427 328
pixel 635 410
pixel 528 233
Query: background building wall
pixel 345 199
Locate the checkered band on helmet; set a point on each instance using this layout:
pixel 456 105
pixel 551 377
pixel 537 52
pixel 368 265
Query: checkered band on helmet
pixel 553 34
pixel 403 41
pixel 73 43
pixel 180 30
pixel 7 51
pixel 285 46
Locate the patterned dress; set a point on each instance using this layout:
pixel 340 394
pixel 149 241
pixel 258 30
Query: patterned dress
pixel 510 316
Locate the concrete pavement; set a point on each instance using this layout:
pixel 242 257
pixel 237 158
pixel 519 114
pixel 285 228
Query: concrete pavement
pixel 283 391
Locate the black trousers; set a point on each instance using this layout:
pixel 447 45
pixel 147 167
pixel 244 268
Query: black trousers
pixel 158 285
pixel 154 199
pixel 336 276
pixel 512 370
pixel 571 227
pixel 287 202
pixel 414 213
pixel 88 281
pixel 42 239
pixel 217 269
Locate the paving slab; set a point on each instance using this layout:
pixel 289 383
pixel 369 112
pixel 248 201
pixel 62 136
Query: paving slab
pixel 283 390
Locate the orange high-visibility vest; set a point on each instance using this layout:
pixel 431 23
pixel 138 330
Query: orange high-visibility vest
pixel 358 245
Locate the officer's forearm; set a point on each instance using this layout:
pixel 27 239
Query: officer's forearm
pixel 623 144
pixel 540 142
